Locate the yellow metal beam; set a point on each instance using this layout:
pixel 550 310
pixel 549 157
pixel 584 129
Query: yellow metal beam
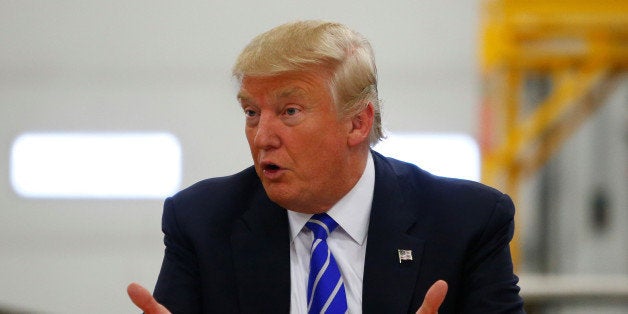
pixel 516 30
pixel 579 44
pixel 571 88
pixel 551 140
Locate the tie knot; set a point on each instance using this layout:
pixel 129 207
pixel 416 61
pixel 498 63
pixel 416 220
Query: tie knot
pixel 321 225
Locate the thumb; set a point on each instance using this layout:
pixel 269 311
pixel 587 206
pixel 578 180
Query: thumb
pixel 433 298
pixel 143 299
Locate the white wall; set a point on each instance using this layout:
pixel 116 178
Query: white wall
pixel 557 221
pixel 164 66
pixel 595 159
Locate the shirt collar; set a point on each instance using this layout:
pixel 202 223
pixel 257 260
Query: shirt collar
pixel 351 212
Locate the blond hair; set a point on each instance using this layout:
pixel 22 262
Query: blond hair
pixel 307 45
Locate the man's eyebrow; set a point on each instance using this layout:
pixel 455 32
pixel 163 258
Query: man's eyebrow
pixel 291 92
pixel 243 97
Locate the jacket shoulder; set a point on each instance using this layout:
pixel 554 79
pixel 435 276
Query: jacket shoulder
pixel 220 187
pixel 413 176
pixel 212 204
pixel 446 197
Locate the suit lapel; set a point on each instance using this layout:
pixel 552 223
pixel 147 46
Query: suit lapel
pixel 261 252
pixel 389 284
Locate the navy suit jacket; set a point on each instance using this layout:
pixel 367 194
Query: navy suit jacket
pixel 228 246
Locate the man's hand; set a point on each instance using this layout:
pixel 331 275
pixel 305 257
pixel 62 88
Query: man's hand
pixel 433 298
pixel 144 300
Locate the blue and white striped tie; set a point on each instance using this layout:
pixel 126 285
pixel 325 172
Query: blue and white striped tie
pixel 325 289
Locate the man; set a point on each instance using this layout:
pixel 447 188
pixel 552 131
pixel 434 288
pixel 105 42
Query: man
pixel 242 244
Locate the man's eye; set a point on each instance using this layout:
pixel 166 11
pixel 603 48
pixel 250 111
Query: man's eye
pixel 250 113
pixel 292 111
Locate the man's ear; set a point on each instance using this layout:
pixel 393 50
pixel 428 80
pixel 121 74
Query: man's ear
pixel 361 125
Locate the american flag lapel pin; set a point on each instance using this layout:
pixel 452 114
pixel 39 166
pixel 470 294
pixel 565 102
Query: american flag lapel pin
pixel 404 255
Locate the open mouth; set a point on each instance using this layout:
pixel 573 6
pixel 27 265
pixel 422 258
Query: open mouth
pixel 271 167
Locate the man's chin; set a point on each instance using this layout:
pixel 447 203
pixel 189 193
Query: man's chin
pixel 277 193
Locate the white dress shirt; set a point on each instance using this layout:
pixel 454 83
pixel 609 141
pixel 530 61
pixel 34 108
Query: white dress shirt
pixel 347 243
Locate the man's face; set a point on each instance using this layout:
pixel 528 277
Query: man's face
pixel 297 139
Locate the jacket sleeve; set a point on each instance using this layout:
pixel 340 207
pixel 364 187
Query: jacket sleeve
pixel 178 285
pixel 490 284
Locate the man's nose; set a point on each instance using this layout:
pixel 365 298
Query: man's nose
pixel 267 136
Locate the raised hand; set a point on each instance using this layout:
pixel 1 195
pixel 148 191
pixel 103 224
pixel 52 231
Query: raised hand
pixel 143 299
pixel 433 298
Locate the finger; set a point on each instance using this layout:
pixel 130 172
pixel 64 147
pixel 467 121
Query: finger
pixel 143 299
pixel 433 298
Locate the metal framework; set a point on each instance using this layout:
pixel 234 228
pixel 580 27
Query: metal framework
pixel 578 46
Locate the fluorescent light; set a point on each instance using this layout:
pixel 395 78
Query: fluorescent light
pixel 96 165
pixel 448 155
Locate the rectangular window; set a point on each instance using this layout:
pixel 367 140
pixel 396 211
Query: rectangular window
pixel 448 155
pixel 95 165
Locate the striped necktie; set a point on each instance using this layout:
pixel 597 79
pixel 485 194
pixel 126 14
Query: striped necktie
pixel 325 289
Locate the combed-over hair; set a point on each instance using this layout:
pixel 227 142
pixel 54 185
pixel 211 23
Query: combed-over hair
pixel 305 45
